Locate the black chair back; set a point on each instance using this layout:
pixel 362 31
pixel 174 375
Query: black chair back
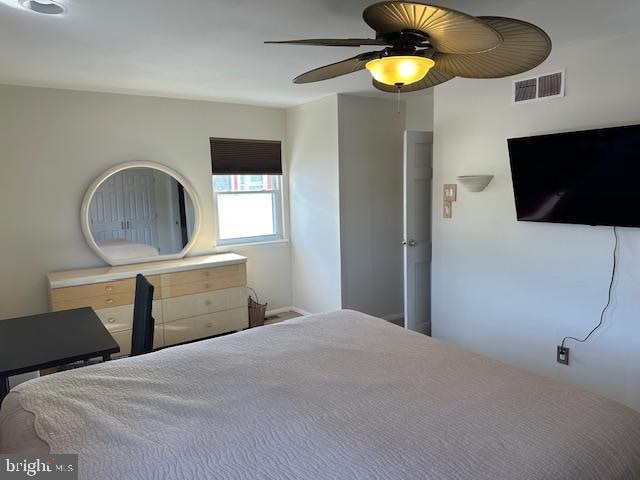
pixel 142 334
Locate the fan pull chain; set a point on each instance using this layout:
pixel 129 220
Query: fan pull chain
pixel 398 86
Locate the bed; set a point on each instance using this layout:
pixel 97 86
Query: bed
pixel 121 249
pixel 340 395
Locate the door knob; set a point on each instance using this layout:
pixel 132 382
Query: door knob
pixel 411 243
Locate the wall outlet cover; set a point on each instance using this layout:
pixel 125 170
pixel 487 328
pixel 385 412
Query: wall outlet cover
pixel 562 355
pixel 450 192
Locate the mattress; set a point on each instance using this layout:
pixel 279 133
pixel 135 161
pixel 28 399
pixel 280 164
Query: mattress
pixel 119 249
pixel 340 395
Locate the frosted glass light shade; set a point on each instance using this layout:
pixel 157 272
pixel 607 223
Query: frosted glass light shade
pixel 400 70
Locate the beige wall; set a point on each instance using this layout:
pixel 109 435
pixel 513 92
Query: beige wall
pixel 53 143
pixel 312 139
pixel 513 290
pixel 371 144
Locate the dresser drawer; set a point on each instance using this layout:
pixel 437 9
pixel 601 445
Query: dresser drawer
pixel 94 290
pixel 100 295
pixel 212 284
pixel 203 303
pixel 123 339
pixel 117 319
pixel 97 303
pixel 100 289
pixel 203 274
pixel 203 326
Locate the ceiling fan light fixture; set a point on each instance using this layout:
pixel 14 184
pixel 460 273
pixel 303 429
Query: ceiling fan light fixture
pixel 399 70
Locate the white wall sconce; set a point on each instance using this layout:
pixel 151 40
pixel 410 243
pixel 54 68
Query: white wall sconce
pixel 475 183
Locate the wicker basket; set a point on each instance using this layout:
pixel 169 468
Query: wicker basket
pixel 257 311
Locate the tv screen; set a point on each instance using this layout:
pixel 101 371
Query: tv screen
pixel 590 177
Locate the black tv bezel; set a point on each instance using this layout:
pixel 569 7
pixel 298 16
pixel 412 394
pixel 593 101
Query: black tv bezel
pixel 559 134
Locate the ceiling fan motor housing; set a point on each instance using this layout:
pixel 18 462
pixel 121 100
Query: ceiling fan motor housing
pixel 406 38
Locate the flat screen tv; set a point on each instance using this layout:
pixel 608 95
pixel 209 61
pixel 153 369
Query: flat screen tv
pixel 589 177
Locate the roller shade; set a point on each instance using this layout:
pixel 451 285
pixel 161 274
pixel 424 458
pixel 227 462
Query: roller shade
pixel 231 156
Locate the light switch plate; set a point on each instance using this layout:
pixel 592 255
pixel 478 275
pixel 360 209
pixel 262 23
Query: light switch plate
pixel 447 209
pixel 450 192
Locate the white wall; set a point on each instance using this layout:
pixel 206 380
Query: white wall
pixel 312 138
pixel 419 111
pixel 371 133
pixel 513 290
pixel 54 143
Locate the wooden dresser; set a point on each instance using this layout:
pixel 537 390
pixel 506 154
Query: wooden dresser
pixel 195 297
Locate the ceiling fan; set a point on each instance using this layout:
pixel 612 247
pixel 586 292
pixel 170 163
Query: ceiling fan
pixel 426 45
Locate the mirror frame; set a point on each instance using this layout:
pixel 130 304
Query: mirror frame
pixel 88 197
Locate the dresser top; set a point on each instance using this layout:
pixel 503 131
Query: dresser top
pixel 72 278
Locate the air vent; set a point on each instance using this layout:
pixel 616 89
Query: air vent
pixel 543 87
pixel 526 90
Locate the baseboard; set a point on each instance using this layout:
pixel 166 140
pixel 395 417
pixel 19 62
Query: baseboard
pixel 300 311
pixel 393 317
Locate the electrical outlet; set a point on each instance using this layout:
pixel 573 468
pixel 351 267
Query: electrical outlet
pixel 563 355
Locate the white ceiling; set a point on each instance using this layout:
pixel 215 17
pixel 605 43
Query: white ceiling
pixel 210 49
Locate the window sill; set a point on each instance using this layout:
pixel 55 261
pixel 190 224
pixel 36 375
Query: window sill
pixel 234 246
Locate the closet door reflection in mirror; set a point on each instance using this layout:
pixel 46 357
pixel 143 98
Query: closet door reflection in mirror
pixel 140 214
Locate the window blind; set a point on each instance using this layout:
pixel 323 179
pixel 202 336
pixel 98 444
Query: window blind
pixel 231 156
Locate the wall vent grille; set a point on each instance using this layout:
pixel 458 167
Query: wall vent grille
pixel 526 90
pixel 543 87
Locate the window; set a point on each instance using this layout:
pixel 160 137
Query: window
pixel 248 207
pixel 247 189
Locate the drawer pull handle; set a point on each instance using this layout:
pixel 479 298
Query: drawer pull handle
pixel 110 300
pixel 111 320
pixel 207 286
pixel 109 289
pixel 207 303
pixel 209 325
pixel 206 274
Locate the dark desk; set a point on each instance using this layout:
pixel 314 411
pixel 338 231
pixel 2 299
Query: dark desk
pixel 50 340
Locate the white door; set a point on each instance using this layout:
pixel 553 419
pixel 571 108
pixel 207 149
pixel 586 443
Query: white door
pixel 417 178
pixel 140 206
pixel 107 210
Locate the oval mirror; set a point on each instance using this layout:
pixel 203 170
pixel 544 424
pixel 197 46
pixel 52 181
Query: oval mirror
pixel 140 212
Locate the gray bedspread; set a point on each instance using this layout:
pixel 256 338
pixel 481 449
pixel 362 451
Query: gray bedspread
pixel 333 396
